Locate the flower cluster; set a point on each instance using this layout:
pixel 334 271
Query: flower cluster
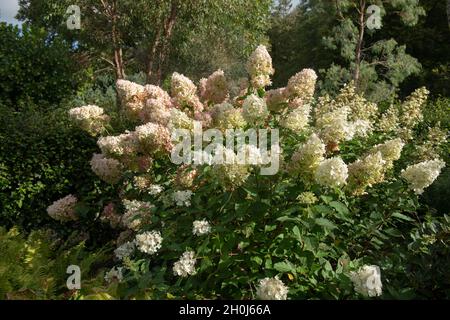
pixel 157 106
pixel 182 88
pixel 254 110
pixel 118 146
pixel 185 177
pixel 429 149
pixel 411 109
pixel 132 96
pixel 360 108
pixel 109 170
pixel 422 175
pixel 389 120
pixel 186 265
pixel 184 91
pixel 296 120
pixel 201 227
pixel 155 189
pixel 390 150
pixel 307 198
pixel 215 88
pixel 333 127
pixel 180 120
pixel 149 242
pixel 367 281
pixel 63 209
pixel 136 213
pixel 182 198
pixel 153 138
pixel 230 174
pixel 259 67
pixel 271 289
pixel 332 172
pixel 302 85
pixel 90 118
pixel 366 172
pixel 307 157
pixel 110 215
pixel 225 116
pixel 125 250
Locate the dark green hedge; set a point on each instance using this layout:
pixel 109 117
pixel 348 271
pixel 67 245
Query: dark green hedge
pixel 35 68
pixel 42 158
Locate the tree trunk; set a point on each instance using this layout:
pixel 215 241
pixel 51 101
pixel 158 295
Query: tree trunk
pixel 110 12
pixel 165 45
pixel 359 46
pixel 159 49
pixel 152 56
pixel 118 63
pixel 118 56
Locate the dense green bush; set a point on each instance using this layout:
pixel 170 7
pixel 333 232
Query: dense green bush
pixel 42 156
pixel 35 68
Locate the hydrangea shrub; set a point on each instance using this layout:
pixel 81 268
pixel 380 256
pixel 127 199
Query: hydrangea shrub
pixel 318 228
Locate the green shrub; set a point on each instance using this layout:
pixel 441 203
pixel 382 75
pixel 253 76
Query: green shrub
pixel 42 156
pixel 35 68
pixel 341 200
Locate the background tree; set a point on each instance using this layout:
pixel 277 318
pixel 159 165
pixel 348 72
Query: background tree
pixel 429 42
pixel 150 35
pixel 376 65
pixel 35 70
pixel 296 39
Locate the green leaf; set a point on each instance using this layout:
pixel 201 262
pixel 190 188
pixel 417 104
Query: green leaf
pixel 323 209
pixel 325 223
pixel 339 207
pixel 258 260
pixel 284 267
pixel 296 232
pixel 401 216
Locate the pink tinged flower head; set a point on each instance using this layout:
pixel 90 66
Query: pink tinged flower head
pixel 205 118
pixel 202 88
pixel 153 138
pixel 118 146
pixel 157 106
pixel 110 215
pixel 63 209
pixel 215 88
pixel 109 170
pixel 155 92
pixel 132 97
pixel 155 111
